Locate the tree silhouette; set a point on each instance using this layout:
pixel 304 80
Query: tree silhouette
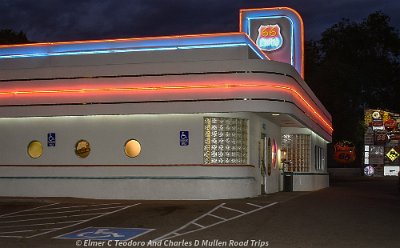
pixel 352 67
pixel 8 36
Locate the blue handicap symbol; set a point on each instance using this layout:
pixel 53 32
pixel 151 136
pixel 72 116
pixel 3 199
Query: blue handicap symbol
pixel 51 139
pixel 184 138
pixel 106 233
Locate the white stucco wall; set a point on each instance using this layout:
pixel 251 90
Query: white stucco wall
pixel 310 182
pixel 157 134
pixel 163 170
pixel 116 182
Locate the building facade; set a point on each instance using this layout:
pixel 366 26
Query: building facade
pixel 185 117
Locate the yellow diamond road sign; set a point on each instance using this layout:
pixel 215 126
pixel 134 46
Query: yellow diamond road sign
pixel 392 154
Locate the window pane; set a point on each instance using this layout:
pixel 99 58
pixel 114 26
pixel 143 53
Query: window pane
pixel 132 148
pixel 35 149
pixel 82 148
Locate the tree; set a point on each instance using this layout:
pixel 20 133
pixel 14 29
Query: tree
pixel 355 66
pixel 8 36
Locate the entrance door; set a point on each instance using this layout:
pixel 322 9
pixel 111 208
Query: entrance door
pixel 262 162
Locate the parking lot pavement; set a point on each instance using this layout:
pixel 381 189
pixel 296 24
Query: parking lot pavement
pixel 44 219
pixel 63 222
pixel 222 213
pixel 266 220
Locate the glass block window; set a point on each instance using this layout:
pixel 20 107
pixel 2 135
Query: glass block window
pixel 225 140
pixel 296 149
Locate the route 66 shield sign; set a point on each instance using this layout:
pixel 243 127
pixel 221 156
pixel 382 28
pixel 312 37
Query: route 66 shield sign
pixel 269 37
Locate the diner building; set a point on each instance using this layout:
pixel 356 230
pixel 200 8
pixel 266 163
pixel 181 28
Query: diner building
pixel 208 116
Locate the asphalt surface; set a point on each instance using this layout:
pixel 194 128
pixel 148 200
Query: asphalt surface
pixel 353 212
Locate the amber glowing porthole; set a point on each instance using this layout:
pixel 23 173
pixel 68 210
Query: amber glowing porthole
pixel 35 149
pixel 82 148
pixel 132 148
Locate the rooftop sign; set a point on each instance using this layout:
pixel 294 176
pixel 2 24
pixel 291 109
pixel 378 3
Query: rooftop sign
pixel 278 32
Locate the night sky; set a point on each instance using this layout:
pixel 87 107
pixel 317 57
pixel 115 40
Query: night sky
pixel 64 20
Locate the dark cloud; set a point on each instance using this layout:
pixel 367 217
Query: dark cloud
pixel 57 20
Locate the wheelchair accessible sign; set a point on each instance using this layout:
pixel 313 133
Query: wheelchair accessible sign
pixel 184 138
pixel 106 233
pixel 51 139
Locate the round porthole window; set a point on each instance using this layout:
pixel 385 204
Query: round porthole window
pixel 35 149
pixel 82 148
pixel 132 148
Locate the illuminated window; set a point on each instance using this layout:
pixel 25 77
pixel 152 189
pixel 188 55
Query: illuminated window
pixel 297 151
pixel 225 140
pixel 82 148
pixel 132 148
pixel 35 149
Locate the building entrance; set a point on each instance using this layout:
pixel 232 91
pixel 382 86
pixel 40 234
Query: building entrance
pixel 262 162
